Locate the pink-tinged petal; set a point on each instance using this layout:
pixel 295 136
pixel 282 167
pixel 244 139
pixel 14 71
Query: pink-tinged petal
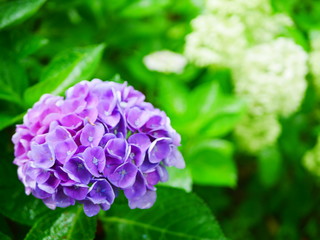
pixel 137 117
pixel 141 140
pixel 92 134
pixel 42 155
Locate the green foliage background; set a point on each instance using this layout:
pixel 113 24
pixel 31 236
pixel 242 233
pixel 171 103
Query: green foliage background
pixel 47 46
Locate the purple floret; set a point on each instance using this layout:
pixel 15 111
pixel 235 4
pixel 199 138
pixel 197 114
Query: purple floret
pixel 100 139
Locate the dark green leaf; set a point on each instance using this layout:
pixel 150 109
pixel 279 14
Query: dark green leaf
pixel 13 79
pixel 175 215
pixel 15 204
pixel 69 224
pixel 12 12
pixel 65 70
pixel 4 236
pixel 270 163
pixel 211 163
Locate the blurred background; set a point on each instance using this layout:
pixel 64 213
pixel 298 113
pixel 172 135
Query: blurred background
pixel 239 79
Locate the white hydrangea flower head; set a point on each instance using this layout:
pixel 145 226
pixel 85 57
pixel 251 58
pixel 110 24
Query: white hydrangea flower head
pixel 314 60
pixel 165 61
pixel 228 27
pixel 214 40
pixel 311 159
pixel 271 76
pixel 269 27
pixel 255 133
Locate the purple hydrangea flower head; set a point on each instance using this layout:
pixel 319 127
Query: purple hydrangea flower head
pixel 100 139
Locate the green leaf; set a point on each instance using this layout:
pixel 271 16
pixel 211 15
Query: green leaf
pixel 201 106
pixel 143 8
pixel 7 120
pixel 179 178
pixel 29 45
pixel 13 79
pixel 226 116
pixel 70 224
pixel 211 163
pixel 12 12
pixel 15 204
pixel 270 166
pixel 175 215
pixel 65 70
pixel 4 236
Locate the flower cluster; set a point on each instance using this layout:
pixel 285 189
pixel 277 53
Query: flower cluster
pixel 102 138
pixel 314 59
pixel 272 77
pixel 165 61
pixel 255 133
pixel 228 27
pixel 214 40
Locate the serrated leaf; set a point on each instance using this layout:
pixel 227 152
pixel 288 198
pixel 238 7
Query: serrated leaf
pixel 175 215
pixel 12 12
pixel 65 70
pixel 211 163
pixel 67 224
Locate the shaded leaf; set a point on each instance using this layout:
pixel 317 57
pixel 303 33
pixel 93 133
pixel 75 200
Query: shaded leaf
pixel 15 204
pixel 270 164
pixel 13 79
pixel 4 236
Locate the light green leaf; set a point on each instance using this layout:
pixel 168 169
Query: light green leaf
pixel 211 163
pixel 7 120
pixel 175 215
pixel 65 70
pixel 69 224
pixel 226 116
pixel 29 45
pixel 143 8
pixel 12 12
pixel 179 178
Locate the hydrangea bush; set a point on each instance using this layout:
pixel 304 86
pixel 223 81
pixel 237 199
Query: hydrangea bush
pixel 100 139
